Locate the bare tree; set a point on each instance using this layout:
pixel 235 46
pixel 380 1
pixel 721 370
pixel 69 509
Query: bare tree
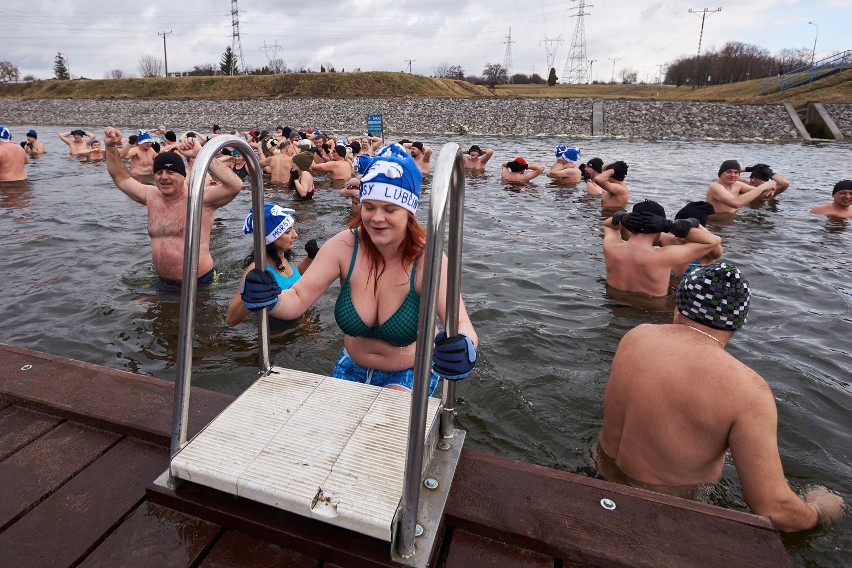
pixel 116 74
pixel 150 66
pixel 8 72
pixel 628 76
pixel 495 74
pixel 277 65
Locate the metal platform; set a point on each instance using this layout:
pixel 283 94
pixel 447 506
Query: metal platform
pixel 321 447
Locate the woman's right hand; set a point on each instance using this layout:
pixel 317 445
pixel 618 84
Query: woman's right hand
pixel 260 290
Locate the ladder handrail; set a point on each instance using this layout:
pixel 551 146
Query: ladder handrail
pixel 449 171
pixel 189 282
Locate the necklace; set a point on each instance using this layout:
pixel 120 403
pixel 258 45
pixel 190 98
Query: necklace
pixel 706 334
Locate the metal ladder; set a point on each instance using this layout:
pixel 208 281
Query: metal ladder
pixel 263 445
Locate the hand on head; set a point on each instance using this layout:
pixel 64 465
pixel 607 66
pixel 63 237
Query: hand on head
pixel 112 136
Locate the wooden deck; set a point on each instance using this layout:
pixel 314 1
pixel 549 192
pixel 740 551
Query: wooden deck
pixel 80 446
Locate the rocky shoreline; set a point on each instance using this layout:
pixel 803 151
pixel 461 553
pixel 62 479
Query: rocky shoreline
pixel 648 120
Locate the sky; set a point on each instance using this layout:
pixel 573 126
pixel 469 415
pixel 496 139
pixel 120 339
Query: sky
pixel 97 37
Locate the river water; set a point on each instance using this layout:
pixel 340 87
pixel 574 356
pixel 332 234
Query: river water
pixel 77 274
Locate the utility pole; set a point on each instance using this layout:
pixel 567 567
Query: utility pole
pixel 507 58
pixel 660 74
pixel 575 65
pixel 614 59
pixel 410 61
pixel 550 47
pixel 591 63
pixel 704 13
pixel 165 53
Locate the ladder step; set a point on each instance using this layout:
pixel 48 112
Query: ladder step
pixel 321 447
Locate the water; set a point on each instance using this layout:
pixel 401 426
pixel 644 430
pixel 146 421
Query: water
pixel 76 271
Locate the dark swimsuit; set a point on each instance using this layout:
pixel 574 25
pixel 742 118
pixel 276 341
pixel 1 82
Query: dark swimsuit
pixel 399 330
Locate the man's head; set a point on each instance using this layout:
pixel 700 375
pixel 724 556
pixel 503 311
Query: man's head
pixel 169 169
pixel 842 193
pixel 518 165
pixel 716 295
pixel 596 164
pixel 32 136
pixel 730 168
pixel 475 151
pixel 5 135
pixel 650 207
pixel 700 210
pixel 416 149
pixel 392 177
pixel 356 147
pixel 171 136
pixel 78 135
pixel 217 129
pixel 144 137
pixel 567 154
pixel 95 144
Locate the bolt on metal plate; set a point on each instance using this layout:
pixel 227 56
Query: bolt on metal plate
pixel 430 483
pixel 608 504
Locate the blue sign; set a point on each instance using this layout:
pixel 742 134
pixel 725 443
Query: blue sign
pixel 374 124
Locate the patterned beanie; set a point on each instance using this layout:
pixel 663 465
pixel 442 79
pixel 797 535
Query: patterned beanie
pixel 716 295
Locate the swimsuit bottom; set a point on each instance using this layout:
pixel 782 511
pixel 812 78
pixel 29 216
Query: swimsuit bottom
pixel 168 285
pixel 349 370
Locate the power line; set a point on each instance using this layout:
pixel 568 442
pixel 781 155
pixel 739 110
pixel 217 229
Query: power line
pixel 704 13
pixel 410 61
pixel 550 48
pixel 614 59
pixel 165 53
pixel 236 46
pixel 274 49
pixel 575 65
pixel 507 58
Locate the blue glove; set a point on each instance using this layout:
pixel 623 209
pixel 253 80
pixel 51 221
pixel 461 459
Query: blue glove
pixel 453 357
pixel 260 290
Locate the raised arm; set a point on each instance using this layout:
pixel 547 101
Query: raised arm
pixel 534 170
pixel 230 183
pixel 133 188
pixel 603 180
pixel 717 192
pixel 754 448
pixel 66 137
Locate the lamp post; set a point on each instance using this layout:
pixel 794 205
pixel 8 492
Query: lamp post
pixel 813 54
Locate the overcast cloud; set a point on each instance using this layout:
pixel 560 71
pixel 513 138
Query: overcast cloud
pixel 98 36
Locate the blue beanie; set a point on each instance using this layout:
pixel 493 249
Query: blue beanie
pixel 143 137
pixel 560 150
pixel 5 135
pixel 572 154
pixel 392 176
pixel 276 220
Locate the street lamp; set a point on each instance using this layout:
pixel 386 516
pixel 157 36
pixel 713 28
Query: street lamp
pixel 813 54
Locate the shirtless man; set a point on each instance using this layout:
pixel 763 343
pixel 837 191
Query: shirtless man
pixel 519 171
pixel 565 168
pixel 338 168
pixel 13 158
pixel 728 193
pixel 142 156
pixel 96 152
pixel 33 147
pixel 611 181
pixel 421 154
pixel 588 171
pixel 74 139
pixel 635 265
pixel 166 203
pixel 280 166
pixel 841 204
pixel 476 158
pixel 676 401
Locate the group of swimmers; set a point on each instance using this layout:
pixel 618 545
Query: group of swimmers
pixel 675 401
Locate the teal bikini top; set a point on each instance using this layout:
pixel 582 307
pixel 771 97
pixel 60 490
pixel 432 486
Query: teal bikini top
pixel 399 330
pixel 284 281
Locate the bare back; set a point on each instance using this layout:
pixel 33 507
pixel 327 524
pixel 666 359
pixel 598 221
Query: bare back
pixel 12 161
pixel 668 424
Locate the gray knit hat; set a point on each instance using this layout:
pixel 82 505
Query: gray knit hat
pixel 716 295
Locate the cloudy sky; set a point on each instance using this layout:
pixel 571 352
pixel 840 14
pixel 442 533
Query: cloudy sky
pixel 637 35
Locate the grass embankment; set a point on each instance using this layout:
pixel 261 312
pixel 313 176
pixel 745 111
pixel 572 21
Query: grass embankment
pixel 833 89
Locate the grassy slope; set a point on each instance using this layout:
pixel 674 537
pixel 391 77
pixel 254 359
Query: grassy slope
pixel 837 88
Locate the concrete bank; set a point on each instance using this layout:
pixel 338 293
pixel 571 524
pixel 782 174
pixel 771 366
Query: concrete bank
pixel 651 120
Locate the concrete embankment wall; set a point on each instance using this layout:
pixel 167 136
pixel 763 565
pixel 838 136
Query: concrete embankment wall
pixel 652 120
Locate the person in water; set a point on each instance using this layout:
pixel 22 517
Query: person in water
pixel 841 201
pixel 280 236
pixel 676 402
pixel 612 184
pixel 565 168
pixel 728 193
pixel 476 158
pixel 166 204
pixel 379 262
pixel 700 210
pixel 519 171
pixel 303 180
pixel 13 158
pixel 635 265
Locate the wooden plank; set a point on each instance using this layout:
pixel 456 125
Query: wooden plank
pixel 288 530
pixel 237 550
pixel 63 528
pixel 559 514
pixel 114 400
pixel 468 549
pixel 19 427
pixel 154 536
pixel 37 470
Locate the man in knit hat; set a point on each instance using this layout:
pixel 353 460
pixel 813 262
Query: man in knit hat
pixel 13 158
pixel 728 193
pixel 841 201
pixel 611 181
pixel 74 139
pixel 676 401
pixel 166 203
